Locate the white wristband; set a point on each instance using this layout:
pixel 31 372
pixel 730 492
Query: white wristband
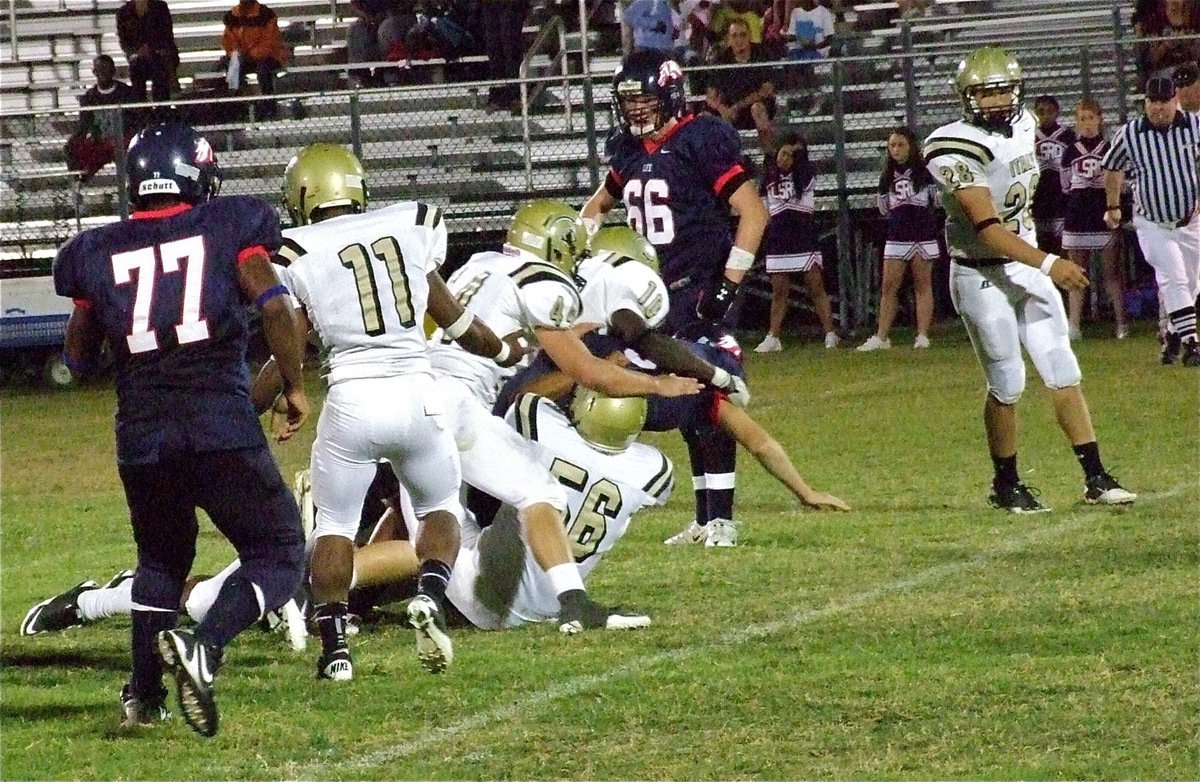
pixel 739 259
pixel 504 353
pixel 1048 263
pixel 460 326
pixel 720 378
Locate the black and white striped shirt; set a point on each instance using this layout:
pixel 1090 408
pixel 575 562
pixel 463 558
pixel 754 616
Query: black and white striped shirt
pixel 1161 164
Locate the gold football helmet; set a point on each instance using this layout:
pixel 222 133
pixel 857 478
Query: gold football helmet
pixel 321 176
pixel 608 424
pixel 551 231
pixel 989 70
pixel 621 241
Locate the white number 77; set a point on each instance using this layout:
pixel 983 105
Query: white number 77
pixel 191 328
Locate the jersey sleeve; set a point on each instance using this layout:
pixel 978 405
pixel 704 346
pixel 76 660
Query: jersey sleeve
pixel 635 287
pixel 958 163
pixel 67 281
pixel 259 225
pixel 716 150
pixel 1117 157
pixel 662 482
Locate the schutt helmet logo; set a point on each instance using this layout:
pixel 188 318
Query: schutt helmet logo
pixel 669 73
pixel 204 151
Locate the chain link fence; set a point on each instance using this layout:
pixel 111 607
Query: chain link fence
pixel 442 144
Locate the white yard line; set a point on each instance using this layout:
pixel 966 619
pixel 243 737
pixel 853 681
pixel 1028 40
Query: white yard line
pixel 426 739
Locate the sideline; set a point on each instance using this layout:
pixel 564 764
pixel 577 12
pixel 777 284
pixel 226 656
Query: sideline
pixel 426 739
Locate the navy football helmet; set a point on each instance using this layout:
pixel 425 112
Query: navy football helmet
pixel 648 92
pixel 171 158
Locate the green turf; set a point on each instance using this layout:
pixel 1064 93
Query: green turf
pixel 921 636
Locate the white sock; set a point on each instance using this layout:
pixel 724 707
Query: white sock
pixel 565 577
pixel 204 594
pixel 102 603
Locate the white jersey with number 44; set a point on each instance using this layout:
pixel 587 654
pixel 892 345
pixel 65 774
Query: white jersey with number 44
pixel 362 280
pixel 961 155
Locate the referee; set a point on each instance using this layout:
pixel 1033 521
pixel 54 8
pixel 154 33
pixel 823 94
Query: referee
pixel 1159 153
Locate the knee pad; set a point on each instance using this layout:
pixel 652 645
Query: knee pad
pixel 1063 369
pixel 1006 380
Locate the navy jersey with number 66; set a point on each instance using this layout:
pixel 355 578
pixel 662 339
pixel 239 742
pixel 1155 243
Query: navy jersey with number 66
pixel 676 192
pixel 164 289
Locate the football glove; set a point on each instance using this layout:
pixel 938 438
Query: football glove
pixel 714 304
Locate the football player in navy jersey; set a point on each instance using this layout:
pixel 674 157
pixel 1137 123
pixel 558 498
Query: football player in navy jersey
pixel 679 175
pixel 168 291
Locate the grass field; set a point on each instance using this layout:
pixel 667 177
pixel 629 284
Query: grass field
pixel 923 636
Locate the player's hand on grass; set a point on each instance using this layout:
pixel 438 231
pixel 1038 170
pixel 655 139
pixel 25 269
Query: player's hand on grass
pixel 823 500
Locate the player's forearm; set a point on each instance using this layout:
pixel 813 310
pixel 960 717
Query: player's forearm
pixel 672 355
pixel 598 204
pixel 612 380
pixel 281 332
pixel 265 387
pixel 81 343
pixel 766 449
pixel 1004 242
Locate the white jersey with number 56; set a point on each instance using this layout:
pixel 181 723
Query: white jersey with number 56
pixel 362 281
pixel 496 582
pixel 961 155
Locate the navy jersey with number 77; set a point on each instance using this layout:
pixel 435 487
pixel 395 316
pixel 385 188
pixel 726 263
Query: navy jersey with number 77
pixel 164 289
pixel 676 192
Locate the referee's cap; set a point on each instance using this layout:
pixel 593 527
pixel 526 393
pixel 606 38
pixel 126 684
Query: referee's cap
pixel 1160 89
pixel 1187 74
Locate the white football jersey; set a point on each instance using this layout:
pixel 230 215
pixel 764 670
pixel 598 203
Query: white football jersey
pixel 617 283
pixel 961 155
pixel 362 280
pixel 604 491
pixel 509 293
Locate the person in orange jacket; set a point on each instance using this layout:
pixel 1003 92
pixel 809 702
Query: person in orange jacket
pixel 252 31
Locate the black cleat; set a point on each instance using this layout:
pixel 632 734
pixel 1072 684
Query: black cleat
pixel 1191 354
pixel 335 665
pixel 58 612
pixel 139 712
pixel 194 667
pixel 1170 348
pixel 1103 489
pixel 1016 498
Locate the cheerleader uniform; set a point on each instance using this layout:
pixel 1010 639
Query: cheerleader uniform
pixel 1083 183
pixel 790 243
pixel 1048 197
pixel 912 230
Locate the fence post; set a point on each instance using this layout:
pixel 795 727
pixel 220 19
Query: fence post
pixel 910 77
pixel 1122 105
pixel 119 161
pixel 356 125
pixel 845 276
pixel 589 103
pixel 1085 69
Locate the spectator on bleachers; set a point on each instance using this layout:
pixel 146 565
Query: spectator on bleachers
pixel 252 37
pixel 697 21
pixel 504 20
pixel 1169 19
pixel 650 24
pixel 380 27
pixel 1187 87
pixel 775 18
pixel 147 36
pixel 743 96
pixel 746 10
pixel 810 31
pixel 93 144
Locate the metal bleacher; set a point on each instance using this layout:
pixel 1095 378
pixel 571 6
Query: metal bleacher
pixel 442 143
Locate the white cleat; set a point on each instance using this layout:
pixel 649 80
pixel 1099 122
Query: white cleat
pixel 722 533
pixel 692 533
pixel 434 649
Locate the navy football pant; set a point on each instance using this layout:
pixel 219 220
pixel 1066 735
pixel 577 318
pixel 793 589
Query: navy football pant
pixel 247 500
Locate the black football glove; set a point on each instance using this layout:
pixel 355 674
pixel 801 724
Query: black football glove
pixel 714 304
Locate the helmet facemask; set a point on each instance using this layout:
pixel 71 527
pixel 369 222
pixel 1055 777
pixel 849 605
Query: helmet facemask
pixel 641 114
pixel 995 118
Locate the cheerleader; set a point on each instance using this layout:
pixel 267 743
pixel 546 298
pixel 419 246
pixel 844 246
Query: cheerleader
pixel 1050 140
pixel 907 198
pixel 790 244
pixel 1084 231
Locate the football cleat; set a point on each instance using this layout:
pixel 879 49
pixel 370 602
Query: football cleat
pixel 584 614
pixel 336 665
pixel 139 712
pixel 722 533
pixel 692 533
pixel 58 612
pixel 1103 489
pixel 1016 498
pixel 1191 353
pixel 1171 345
pixel 193 665
pixel 434 649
